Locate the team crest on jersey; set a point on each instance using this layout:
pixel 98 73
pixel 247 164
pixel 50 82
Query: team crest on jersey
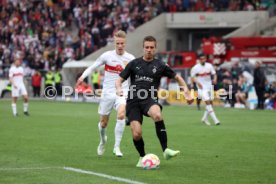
pixel 154 69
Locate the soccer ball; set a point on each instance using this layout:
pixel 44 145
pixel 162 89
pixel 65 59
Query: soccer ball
pixel 222 94
pixel 150 161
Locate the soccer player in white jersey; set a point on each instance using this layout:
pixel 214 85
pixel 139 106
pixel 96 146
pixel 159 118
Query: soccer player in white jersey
pixel 201 75
pixel 18 87
pixel 114 62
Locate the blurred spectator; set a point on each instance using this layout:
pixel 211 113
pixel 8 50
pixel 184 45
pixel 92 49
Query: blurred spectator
pixel 233 92
pixel 7 89
pixel 270 96
pixel 226 84
pixel 36 84
pixel 49 84
pixel 219 72
pixel 236 70
pixel 58 82
pixel 248 78
pixel 96 81
pixel 259 84
pixel 242 93
pixel 50 32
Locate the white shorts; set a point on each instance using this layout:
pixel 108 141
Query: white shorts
pixel 20 90
pixel 205 94
pixel 107 103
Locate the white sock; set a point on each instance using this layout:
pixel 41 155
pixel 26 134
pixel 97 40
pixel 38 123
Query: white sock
pixel 205 115
pixel 212 113
pixel 102 132
pixel 118 131
pixel 25 107
pixel 14 109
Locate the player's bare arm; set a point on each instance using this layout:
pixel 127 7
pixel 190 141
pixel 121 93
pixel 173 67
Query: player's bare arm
pixel 183 86
pixel 79 81
pixel 194 79
pixel 13 84
pixel 118 85
pixel 89 70
pixel 215 79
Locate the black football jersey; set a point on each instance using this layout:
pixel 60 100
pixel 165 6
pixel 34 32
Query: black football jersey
pixel 145 76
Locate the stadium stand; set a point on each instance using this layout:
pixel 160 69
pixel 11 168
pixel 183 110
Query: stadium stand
pixel 48 33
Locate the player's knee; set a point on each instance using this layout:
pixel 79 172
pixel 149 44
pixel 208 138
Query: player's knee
pixel 26 99
pixel 121 115
pixel 137 135
pixel 157 116
pixel 104 123
pixel 208 102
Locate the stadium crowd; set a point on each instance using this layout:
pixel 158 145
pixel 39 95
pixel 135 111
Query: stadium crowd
pixel 240 80
pixel 48 33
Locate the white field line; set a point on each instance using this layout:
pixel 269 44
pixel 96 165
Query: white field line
pixel 114 178
pixel 28 168
pixel 103 175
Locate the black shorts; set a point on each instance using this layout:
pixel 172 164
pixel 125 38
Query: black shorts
pixel 136 108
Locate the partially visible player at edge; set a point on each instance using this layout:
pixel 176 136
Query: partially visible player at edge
pixel 16 78
pixel 114 62
pixel 145 74
pixel 202 74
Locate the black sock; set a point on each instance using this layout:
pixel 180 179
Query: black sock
pixel 140 146
pixel 161 133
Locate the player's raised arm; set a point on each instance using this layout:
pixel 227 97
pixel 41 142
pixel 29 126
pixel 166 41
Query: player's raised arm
pixel 183 87
pixel 100 61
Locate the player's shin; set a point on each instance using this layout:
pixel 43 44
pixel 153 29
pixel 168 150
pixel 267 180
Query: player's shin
pixel 102 132
pixel 25 107
pixel 139 144
pixel 14 109
pixel 118 131
pixel 161 133
pixel 212 113
pixel 205 115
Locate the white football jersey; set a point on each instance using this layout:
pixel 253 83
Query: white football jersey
pixel 113 65
pixel 203 74
pixel 16 74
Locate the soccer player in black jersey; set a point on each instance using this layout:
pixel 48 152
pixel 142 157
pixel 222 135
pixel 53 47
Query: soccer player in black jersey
pixel 145 74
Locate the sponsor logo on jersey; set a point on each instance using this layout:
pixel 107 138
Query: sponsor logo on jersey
pixel 113 69
pixel 143 78
pixel 17 74
pixel 205 74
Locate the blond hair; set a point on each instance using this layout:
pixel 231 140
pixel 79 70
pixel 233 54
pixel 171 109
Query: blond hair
pixel 120 34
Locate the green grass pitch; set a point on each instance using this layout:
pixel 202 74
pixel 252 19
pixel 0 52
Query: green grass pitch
pixel 240 151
